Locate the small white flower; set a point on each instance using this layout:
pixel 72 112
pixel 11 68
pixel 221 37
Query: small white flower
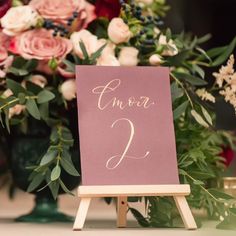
pixel 155 60
pixel 172 50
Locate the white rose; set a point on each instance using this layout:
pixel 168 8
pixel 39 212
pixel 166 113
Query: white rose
pixel 90 42
pixel 128 56
pixel 155 60
pixel 168 52
pixel 118 31
pixel 109 49
pixel 68 89
pixel 19 19
pixel 108 60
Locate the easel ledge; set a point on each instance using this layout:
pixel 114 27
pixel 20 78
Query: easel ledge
pixel 86 193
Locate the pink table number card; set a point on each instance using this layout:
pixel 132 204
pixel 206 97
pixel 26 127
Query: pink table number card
pixel 126 126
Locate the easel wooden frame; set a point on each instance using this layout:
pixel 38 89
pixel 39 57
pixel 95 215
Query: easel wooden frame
pixel 179 192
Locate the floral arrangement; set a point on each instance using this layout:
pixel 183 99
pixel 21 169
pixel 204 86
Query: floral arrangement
pixel 41 41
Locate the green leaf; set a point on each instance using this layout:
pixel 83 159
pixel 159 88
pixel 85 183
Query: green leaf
pixel 180 110
pixel 54 187
pixel 204 53
pixel 17 71
pixel 31 65
pixel 200 175
pixel 37 180
pixel 204 38
pixel 189 78
pixel 34 88
pixel 139 217
pixel 84 50
pixel 97 54
pixel 69 65
pixel 176 92
pixel 207 115
pixel 7 120
pixel 220 195
pixel 199 70
pixel 15 87
pixel 225 55
pixel 44 110
pixel 22 99
pixel 32 108
pixel 45 96
pixel 68 166
pixel 56 172
pixel 48 157
pixel 199 119
pixel 65 189
pixel 198 182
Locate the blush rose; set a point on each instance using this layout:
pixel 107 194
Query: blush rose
pixel 41 45
pixel 61 10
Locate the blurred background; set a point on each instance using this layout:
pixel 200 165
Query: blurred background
pixel 201 17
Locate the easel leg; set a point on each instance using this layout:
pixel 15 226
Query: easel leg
pixel 122 208
pixel 81 214
pixel 185 212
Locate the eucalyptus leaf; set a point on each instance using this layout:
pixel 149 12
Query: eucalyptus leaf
pixel 32 108
pixel 54 187
pixel 56 172
pixel 176 92
pixel 225 55
pixel 69 167
pixel 45 96
pixel 48 157
pixel 180 110
pixel 65 189
pixel 194 80
pixel 36 181
pixel 17 71
pixel 220 195
pixel 15 87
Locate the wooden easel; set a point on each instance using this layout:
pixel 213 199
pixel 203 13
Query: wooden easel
pixel 86 193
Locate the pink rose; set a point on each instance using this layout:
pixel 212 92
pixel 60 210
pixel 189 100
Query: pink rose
pixel 61 10
pixel 5 60
pixel 41 45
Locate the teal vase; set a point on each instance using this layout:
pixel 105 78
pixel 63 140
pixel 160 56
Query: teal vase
pixel 27 150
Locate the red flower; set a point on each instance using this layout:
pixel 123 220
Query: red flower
pixel 4 6
pixel 228 155
pixel 107 8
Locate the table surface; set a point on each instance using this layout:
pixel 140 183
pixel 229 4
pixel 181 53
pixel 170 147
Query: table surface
pixel 101 220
